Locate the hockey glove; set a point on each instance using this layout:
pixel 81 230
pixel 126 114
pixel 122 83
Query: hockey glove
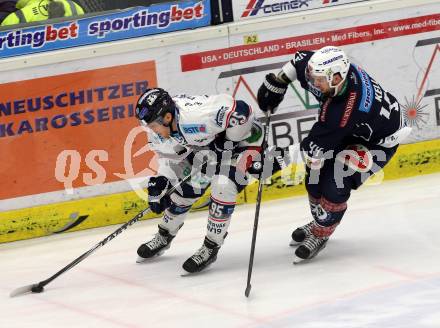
pixel 158 200
pixel 271 93
pixel 312 154
pixel 221 144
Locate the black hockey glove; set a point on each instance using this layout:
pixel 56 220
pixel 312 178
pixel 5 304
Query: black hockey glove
pixel 221 144
pixel 271 93
pixel 157 198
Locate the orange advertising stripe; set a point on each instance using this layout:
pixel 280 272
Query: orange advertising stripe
pixel 88 113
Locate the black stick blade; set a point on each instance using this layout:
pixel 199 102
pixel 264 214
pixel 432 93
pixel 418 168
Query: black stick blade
pixel 248 290
pixel 34 288
pixel 72 224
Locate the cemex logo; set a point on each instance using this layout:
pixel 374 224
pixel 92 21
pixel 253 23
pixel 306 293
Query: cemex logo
pixel 255 6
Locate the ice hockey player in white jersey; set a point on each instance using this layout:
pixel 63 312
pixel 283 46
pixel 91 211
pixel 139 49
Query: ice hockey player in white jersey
pixel 180 128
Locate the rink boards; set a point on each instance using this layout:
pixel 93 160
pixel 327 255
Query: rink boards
pixel 67 117
pixel 410 160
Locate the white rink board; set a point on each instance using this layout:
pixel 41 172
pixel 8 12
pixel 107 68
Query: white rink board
pixel 397 63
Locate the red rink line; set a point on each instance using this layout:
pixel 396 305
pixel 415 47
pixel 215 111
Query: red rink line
pixel 286 46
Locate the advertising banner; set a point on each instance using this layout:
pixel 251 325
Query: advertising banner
pixel 136 22
pixel 248 9
pixel 69 128
pixel 72 120
pixel 70 110
pixel 402 54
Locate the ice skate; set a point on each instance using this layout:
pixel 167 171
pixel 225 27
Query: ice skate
pixel 311 246
pixel 301 233
pixel 205 255
pixel 156 246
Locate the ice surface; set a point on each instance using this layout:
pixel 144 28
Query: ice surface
pixel 381 269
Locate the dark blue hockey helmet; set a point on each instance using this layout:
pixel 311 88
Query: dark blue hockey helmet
pixel 153 104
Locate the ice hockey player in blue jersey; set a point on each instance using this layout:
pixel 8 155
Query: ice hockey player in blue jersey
pixel 181 128
pixel 358 130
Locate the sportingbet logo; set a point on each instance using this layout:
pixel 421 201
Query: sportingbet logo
pixel 144 18
pixel 256 6
pixel 38 38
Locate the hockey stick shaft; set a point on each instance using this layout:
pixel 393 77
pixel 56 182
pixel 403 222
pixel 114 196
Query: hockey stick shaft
pixel 257 209
pixel 94 248
pixel 39 286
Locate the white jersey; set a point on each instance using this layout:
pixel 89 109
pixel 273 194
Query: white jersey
pixel 199 120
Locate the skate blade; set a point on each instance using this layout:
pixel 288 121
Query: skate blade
pixel 149 259
pixel 294 243
pixel 192 274
pixel 144 260
pixel 298 260
pixel 187 274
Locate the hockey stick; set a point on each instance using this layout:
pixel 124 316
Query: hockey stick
pixel 39 287
pixel 74 221
pixel 257 209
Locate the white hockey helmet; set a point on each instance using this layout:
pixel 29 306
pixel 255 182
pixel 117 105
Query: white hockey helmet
pixel 327 62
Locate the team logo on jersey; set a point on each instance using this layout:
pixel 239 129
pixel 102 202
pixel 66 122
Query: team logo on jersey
pixel 255 6
pixel 194 128
pixel 357 157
